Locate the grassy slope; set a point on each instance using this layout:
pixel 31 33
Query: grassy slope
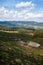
pixel 12 53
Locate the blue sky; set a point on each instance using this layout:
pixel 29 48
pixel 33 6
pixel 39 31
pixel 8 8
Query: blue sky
pixel 26 10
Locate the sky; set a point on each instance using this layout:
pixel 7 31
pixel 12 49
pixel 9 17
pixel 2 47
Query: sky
pixel 21 10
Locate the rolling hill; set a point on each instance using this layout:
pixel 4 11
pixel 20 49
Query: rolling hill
pixel 23 24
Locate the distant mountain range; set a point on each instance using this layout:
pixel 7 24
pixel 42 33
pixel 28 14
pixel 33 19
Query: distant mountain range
pixel 22 24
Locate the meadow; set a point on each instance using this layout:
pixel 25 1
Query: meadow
pixel 13 53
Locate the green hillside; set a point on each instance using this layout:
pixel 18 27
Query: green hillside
pixel 14 53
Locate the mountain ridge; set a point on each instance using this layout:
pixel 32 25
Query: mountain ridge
pixel 22 24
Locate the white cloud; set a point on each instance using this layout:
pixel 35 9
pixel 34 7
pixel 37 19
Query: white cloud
pixel 6 14
pixel 24 4
pixel 33 15
pixel 25 14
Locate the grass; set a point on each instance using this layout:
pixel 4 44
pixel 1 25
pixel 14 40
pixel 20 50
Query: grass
pixel 13 53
